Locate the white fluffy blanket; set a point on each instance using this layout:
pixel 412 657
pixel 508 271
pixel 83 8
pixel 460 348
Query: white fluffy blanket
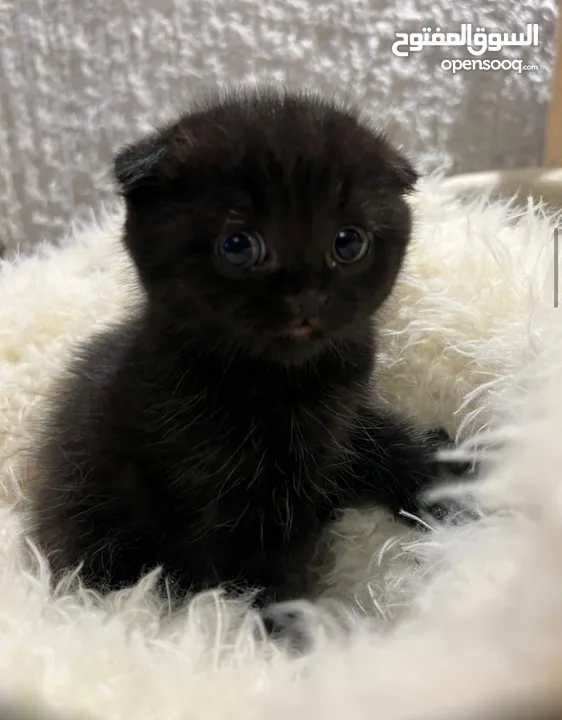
pixel 452 619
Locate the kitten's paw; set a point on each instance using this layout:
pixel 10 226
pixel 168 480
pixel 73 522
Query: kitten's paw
pixel 447 512
pixel 450 512
pixel 439 437
pixel 285 630
pixel 447 469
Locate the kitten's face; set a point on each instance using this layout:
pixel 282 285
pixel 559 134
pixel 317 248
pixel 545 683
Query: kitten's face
pixel 271 224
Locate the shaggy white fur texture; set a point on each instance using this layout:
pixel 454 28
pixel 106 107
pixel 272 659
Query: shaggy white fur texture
pixel 452 619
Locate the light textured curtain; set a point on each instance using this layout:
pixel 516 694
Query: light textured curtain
pixel 79 77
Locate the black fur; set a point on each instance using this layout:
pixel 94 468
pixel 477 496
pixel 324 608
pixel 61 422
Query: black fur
pixel 199 435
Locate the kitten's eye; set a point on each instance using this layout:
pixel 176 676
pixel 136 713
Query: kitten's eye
pixel 351 244
pixel 244 249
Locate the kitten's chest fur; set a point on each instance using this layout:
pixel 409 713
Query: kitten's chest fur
pixel 289 436
pixel 267 455
pixel 238 439
pixel 264 430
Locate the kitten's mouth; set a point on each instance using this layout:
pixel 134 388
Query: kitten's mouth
pixel 303 329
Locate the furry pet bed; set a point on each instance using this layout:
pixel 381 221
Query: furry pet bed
pixel 440 622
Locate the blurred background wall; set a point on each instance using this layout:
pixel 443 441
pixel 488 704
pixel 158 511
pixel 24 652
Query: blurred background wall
pixel 79 77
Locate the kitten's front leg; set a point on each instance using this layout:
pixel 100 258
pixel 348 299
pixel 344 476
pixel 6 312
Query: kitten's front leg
pixel 393 466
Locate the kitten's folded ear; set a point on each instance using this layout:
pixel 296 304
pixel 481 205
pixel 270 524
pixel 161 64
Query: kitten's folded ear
pixel 139 165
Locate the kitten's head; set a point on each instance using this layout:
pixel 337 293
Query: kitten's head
pixel 268 221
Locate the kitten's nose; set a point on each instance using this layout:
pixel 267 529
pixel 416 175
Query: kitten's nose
pixel 308 304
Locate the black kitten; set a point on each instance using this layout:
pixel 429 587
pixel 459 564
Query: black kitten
pixel 216 433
